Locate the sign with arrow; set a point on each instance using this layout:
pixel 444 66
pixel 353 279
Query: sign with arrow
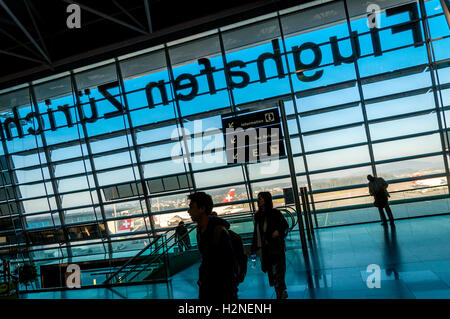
pixel 253 137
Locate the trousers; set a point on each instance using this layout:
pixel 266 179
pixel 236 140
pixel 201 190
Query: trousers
pixel 388 212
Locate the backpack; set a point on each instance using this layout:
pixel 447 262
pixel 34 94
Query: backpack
pixel 380 187
pixel 240 258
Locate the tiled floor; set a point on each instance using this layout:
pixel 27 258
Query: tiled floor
pixel 414 259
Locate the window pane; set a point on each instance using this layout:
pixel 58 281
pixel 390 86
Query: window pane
pixel 340 178
pixel 406 126
pixel 399 105
pixel 407 147
pixel 81 215
pixel 248 44
pixel 317 99
pixel 78 199
pixel 331 119
pixel 108 144
pixel 349 156
pixel 72 168
pixel 115 176
pixel 223 176
pixel 204 92
pixel 335 138
pixel 410 168
pixel 396 85
pixel 163 168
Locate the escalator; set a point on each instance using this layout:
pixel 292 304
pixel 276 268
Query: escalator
pixel 138 267
pixel 165 259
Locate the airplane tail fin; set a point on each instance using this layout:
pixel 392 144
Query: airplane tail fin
pixel 229 197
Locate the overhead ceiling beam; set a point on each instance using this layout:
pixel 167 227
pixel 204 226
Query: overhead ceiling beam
pixel 24 30
pixel 6 21
pixel 105 16
pixel 147 13
pixel 128 14
pixel 36 27
pixel 22 57
pixel 19 42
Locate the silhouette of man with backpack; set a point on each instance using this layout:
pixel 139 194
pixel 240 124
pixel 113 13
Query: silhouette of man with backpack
pixel 222 264
pixel 378 189
pixel 182 236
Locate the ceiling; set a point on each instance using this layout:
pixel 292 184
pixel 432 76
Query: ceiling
pixel 35 41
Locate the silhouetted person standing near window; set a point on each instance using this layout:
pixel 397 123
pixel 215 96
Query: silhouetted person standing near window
pixel 217 272
pixel 268 241
pixel 378 189
pixel 182 237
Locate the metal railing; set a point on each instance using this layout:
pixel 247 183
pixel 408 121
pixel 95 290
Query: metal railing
pixel 131 260
pixel 137 269
pixel 155 256
pixel 135 266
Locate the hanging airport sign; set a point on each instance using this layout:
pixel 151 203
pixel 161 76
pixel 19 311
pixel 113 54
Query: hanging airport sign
pixel 253 137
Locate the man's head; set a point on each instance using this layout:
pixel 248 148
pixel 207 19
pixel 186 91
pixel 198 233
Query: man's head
pixel 181 223
pixel 370 178
pixel 200 204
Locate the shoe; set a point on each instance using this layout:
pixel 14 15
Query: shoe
pixel 284 295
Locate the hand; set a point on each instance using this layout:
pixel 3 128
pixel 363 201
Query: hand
pixel 275 234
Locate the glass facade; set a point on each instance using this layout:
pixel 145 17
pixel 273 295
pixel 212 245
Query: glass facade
pixel 96 160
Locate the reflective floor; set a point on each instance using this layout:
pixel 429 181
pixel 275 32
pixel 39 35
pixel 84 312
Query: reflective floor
pixel 413 259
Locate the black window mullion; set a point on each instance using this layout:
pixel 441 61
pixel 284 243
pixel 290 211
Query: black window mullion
pixel 94 173
pixel 179 118
pixel 294 97
pixel 53 180
pixel 436 84
pixel 15 202
pixel 136 153
pixel 361 95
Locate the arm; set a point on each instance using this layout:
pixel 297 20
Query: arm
pixel 370 189
pixel 284 226
pixel 281 226
pixel 385 186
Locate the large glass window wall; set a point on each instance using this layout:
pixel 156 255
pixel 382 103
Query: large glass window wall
pixel 101 158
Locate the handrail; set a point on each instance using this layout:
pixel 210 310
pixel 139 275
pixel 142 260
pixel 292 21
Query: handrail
pixel 288 209
pixel 138 264
pixel 294 221
pixel 148 260
pixel 133 258
pixel 156 254
pixel 153 253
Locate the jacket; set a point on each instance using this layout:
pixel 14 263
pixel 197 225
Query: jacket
pixel 378 189
pixel 217 273
pixel 272 249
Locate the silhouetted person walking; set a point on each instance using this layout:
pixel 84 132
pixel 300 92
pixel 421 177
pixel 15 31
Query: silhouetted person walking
pixel 268 241
pixel 217 272
pixel 182 237
pixel 378 189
